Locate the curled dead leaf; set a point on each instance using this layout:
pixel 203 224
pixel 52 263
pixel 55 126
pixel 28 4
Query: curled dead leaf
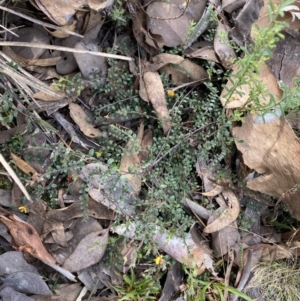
pixel 79 116
pixel 215 191
pixel 163 59
pixel 228 216
pixel 25 238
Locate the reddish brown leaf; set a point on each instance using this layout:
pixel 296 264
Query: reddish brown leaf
pixel 25 238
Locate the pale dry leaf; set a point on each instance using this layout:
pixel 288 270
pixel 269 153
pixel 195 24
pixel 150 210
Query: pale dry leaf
pixel 264 19
pixel 215 191
pixel 115 192
pixel 62 34
pixel 80 118
pixel 185 72
pixel 30 62
pixel 163 59
pixel 183 250
pixel 291 8
pixel 95 210
pixel 130 161
pixel 240 96
pixel 66 292
pixel 225 239
pixel 206 53
pixel 276 252
pixel 24 166
pixel 197 209
pixel 89 251
pixel 99 5
pixel 222 46
pixel 45 96
pixel 146 143
pixel 228 216
pixel 60 11
pixel 156 94
pixel 231 5
pixel 142 91
pixel 271 149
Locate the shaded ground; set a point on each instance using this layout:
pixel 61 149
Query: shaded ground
pixel 139 171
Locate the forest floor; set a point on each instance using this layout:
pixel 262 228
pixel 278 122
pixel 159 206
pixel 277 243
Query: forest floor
pixel 149 150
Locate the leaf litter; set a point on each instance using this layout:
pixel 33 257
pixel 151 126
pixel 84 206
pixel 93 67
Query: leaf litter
pixel 95 234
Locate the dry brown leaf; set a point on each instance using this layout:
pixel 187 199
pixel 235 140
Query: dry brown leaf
pixel 64 291
pixel 95 210
pixel 130 161
pixel 185 250
pixel 237 101
pixel 163 59
pixel 99 5
pixel 62 34
pixel 25 238
pixel 26 63
pixel 225 239
pixel 89 251
pixel 228 216
pixel 185 72
pixel 156 95
pixel 24 166
pixel 222 46
pixel 275 252
pixel 139 24
pixel 231 5
pixel 215 191
pixel 173 31
pixel 272 150
pixel 142 90
pixel 59 11
pixel 79 117
pixel 264 19
pixel 43 95
pixel 205 53
pixel 146 142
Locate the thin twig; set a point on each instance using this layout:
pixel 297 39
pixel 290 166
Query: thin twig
pixel 67 49
pixel 15 178
pixel 41 22
pixel 9 30
pixel 157 160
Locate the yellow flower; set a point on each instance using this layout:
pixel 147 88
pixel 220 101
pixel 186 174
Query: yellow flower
pixel 159 260
pixel 23 209
pixel 170 93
